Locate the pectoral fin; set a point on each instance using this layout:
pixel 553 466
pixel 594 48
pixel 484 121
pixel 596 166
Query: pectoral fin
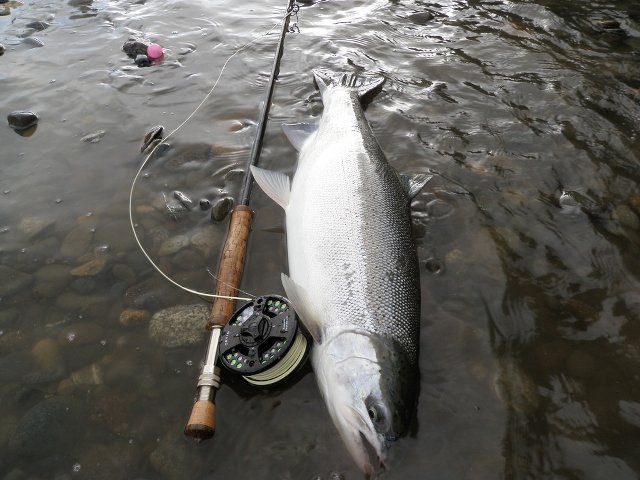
pixel 303 307
pixel 275 184
pixel 299 133
pixel 414 183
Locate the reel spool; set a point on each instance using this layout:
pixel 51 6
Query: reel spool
pixel 263 341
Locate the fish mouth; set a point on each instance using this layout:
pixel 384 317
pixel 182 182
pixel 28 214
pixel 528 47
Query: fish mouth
pixel 362 440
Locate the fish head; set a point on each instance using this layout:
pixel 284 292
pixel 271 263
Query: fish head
pixel 369 393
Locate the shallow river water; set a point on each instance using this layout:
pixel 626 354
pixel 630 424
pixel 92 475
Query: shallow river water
pixel 526 112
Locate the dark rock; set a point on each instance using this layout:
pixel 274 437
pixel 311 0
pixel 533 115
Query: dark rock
pixel 83 286
pixel 133 48
pixel 221 209
pixel 2 49
pixel 21 120
pixel 80 333
pixel 48 427
pixel 39 26
pixel 150 295
pixel 153 134
pixel 8 317
pixel 106 462
pixel 421 18
pixel 187 260
pixel 12 281
pixel 175 459
pixel 205 204
pixel 14 365
pixel 44 376
pixel 142 61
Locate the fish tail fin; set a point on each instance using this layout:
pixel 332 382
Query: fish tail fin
pixel 367 87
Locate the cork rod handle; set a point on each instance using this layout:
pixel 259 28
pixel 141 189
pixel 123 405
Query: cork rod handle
pixel 231 265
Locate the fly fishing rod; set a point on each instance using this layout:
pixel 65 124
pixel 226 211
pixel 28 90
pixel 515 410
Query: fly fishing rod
pixel 201 423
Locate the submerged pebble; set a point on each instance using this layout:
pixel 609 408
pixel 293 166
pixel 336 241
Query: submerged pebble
pixel 627 217
pixel 33 42
pixel 12 281
pixel 134 317
pixel 173 245
pixel 94 137
pixel 46 353
pixel 33 226
pixel 44 427
pixel 22 119
pixel 81 333
pixel 221 209
pixel 38 25
pixel 142 61
pixel 76 242
pixel 90 269
pixel 187 260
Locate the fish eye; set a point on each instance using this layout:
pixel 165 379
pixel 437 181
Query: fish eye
pixel 379 416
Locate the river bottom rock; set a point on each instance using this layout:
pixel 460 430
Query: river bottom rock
pixel 179 326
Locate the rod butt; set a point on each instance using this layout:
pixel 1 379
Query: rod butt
pixel 202 422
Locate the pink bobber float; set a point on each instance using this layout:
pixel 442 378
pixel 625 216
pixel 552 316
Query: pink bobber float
pixel 154 51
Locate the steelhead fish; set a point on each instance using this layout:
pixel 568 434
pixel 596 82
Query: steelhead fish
pixel 353 267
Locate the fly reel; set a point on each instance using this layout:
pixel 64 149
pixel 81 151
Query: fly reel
pixel 263 341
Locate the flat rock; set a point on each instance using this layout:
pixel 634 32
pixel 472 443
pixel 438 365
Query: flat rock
pixel 90 269
pixel 151 294
pixel 188 260
pixel 173 245
pixel 33 226
pixel 14 365
pixel 80 333
pixel 75 302
pixel 12 281
pixel 179 326
pixel 132 317
pixel 207 241
pixel 76 242
pixel 124 272
pixel 51 280
pixel 116 235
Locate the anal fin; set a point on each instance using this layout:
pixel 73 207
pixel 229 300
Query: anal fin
pixel 299 133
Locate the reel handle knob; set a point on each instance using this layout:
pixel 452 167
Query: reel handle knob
pixel 202 422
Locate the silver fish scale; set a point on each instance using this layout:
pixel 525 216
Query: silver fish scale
pixel 351 246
